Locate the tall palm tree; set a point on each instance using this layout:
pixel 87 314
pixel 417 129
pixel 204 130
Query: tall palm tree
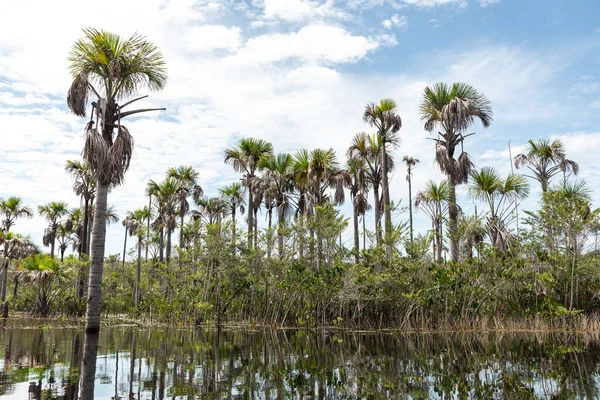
pixel 157 225
pixel 410 165
pixel 119 68
pixel 278 169
pixel 233 194
pixel 167 198
pixel 85 187
pixel 53 212
pixel 12 209
pixel 187 177
pixel 325 173
pixel 136 226
pixel 369 148
pixel 453 109
pixel 501 196
pixel 358 192
pixel 545 159
pixel 244 159
pixel 433 200
pixel 130 226
pixel 383 117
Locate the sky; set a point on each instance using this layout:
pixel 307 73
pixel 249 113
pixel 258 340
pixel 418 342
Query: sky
pixel 298 73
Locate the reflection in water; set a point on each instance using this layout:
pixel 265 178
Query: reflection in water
pixel 154 363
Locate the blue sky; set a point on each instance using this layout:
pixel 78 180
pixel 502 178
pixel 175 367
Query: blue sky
pixel 298 73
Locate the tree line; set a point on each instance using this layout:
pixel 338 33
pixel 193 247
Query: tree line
pixel 296 270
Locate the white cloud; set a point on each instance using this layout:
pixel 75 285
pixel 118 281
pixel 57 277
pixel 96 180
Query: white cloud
pixel 212 37
pixel 300 10
pixel 595 104
pixel 313 43
pixel 399 21
pixel 485 3
pixel 435 3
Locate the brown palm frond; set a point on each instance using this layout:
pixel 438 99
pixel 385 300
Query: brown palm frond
pixel 119 156
pixel 78 95
pixel 464 167
pixel 95 151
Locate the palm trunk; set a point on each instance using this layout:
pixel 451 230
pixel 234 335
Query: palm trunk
pixel 410 210
pixel 148 226
pixel 3 289
pixel 233 229
pixel 62 254
pixel 161 245
pixel 255 229
pixel 364 231
pixel 53 241
pixel 250 222
pixel 181 230
pixel 84 242
pixel 168 246
pixel 377 207
pixel 124 249
pixel 453 211
pixel 90 227
pixel 97 257
pixel 280 222
pixel 356 240
pixel 386 199
pixel 137 274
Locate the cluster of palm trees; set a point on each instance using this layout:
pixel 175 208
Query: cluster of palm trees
pixel 109 70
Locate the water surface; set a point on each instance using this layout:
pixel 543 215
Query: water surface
pixel 53 362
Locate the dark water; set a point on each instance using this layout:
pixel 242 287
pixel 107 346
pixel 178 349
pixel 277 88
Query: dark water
pixel 51 362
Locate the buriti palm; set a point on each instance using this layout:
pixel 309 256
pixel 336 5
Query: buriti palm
pixel 109 70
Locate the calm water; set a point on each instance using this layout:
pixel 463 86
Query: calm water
pixel 50 362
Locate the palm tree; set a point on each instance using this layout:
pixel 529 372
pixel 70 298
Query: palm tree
pixel 85 187
pixel 358 192
pixel 369 149
pixel 53 212
pixel 545 159
pixel 410 165
pixel 136 226
pixel 244 158
pixel 278 170
pixel 130 226
pixel 12 209
pixel 166 200
pixel 501 197
pixel 433 200
pixel 383 117
pixel 211 210
pixel 120 68
pixel 40 270
pixel 324 173
pixel 187 177
pixel 453 109
pixel 233 194
pixel 63 237
pixel 12 247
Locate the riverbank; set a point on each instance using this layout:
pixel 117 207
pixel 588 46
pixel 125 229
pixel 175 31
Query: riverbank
pixel 570 324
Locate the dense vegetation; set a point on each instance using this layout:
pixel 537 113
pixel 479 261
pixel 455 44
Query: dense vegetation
pixel 197 260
